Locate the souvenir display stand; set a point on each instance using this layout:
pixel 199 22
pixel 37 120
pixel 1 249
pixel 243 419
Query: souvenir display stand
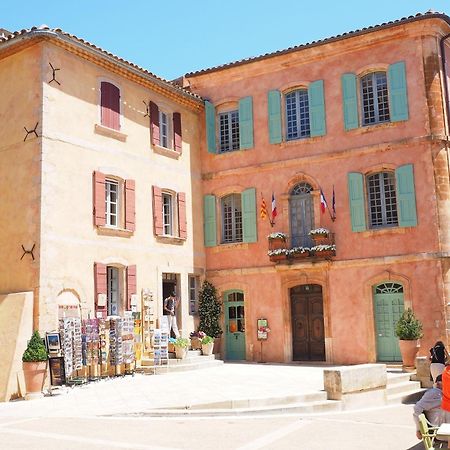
pixel 115 346
pixel 148 321
pixel 92 348
pixel 72 346
pixel 160 347
pixel 137 339
pixel 128 343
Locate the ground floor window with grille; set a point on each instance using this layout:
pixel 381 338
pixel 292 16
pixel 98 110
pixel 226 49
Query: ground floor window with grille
pixel 231 218
pixel 382 200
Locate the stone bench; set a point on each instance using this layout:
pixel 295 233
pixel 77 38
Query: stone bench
pixel 358 384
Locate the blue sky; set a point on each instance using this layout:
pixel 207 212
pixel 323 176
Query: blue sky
pixel 173 37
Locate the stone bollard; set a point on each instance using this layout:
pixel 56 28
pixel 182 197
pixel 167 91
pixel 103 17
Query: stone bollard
pixel 423 372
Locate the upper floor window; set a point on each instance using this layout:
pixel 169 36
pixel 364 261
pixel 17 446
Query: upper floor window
pixel 374 98
pixel 169 213
pixel 382 200
pixel 229 131
pixel 112 202
pixel 381 97
pixel 231 128
pixel 110 105
pixel 231 218
pixel 297 114
pixel 165 128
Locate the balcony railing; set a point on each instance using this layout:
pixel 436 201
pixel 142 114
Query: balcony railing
pixel 281 252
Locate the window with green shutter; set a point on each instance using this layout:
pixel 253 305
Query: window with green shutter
pixel 249 215
pixel 209 212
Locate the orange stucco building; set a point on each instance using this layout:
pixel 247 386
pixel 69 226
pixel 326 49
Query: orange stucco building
pixel 111 176
pixel 361 117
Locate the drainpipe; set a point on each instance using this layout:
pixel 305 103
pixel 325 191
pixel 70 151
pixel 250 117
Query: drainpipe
pixel 446 89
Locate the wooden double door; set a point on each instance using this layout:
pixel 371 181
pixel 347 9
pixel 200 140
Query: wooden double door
pixel 308 334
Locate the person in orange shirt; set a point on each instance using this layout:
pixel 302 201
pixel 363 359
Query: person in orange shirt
pixel 445 405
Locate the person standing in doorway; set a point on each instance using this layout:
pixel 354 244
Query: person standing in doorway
pixel 438 355
pixel 170 310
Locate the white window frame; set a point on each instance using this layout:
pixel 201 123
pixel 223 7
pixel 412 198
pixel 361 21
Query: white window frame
pixel 109 215
pixel 303 122
pixel 376 96
pixel 378 197
pixel 229 120
pixel 232 232
pixel 165 129
pixel 169 207
pixel 194 287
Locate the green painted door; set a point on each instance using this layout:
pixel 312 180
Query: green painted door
pixel 234 325
pixel 388 305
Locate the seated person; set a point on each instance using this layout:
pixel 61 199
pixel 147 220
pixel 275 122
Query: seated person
pixel 430 405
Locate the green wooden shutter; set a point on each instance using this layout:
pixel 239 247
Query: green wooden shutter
pixel 317 108
pixel 249 215
pixel 350 100
pixel 356 199
pixel 406 196
pixel 245 123
pixel 210 116
pixel 274 109
pixel 398 97
pixel 209 211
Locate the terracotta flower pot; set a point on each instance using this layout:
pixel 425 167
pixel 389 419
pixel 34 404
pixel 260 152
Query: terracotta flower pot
pixel 196 343
pixel 409 350
pixel 207 349
pixel 320 238
pixel 180 352
pixel 34 373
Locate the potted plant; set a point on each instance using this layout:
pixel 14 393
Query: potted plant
pixel 320 235
pixel 408 329
pixel 209 309
pixel 181 347
pixel 196 339
pixel 34 364
pixel 207 345
pixel 277 240
pixel 324 250
pixel 279 254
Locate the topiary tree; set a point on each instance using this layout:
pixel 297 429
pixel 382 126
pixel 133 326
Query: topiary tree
pixel 408 328
pixel 209 310
pixel 36 350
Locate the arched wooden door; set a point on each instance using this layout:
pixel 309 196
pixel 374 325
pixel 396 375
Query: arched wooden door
pixel 301 213
pixel 388 307
pixel 308 334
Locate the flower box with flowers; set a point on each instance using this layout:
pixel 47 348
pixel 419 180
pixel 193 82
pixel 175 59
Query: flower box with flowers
pixel 320 235
pixel 324 250
pixel 299 252
pixel 196 339
pixel 277 240
pixel 277 255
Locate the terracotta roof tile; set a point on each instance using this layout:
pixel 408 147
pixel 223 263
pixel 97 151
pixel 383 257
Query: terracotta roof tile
pixel 419 16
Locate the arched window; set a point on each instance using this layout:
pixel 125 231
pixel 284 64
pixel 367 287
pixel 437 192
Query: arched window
pixel 301 209
pixel 382 200
pixel 388 288
pixel 374 98
pixel 297 114
pixel 231 218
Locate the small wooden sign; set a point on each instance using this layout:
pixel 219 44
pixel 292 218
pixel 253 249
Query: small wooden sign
pixel 262 329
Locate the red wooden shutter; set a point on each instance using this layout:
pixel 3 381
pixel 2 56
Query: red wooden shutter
pixel 182 225
pixel 131 285
pixel 154 123
pixel 99 199
pixel 157 211
pixel 177 132
pixel 100 286
pixel 110 105
pixel 130 209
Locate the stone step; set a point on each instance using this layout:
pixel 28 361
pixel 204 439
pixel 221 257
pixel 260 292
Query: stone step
pixel 182 366
pixel 398 378
pixel 405 386
pixel 406 398
pixel 313 407
pixel 174 361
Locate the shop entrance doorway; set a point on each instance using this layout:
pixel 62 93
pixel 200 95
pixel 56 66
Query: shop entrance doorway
pixel 308 337
pixel 388 306
pixel 169 286
pixel 234 325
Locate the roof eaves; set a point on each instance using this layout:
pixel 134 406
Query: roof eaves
pixel 57 33
pixel 346 35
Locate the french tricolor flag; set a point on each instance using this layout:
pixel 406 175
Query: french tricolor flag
pixel 323 202
pixel 274 207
